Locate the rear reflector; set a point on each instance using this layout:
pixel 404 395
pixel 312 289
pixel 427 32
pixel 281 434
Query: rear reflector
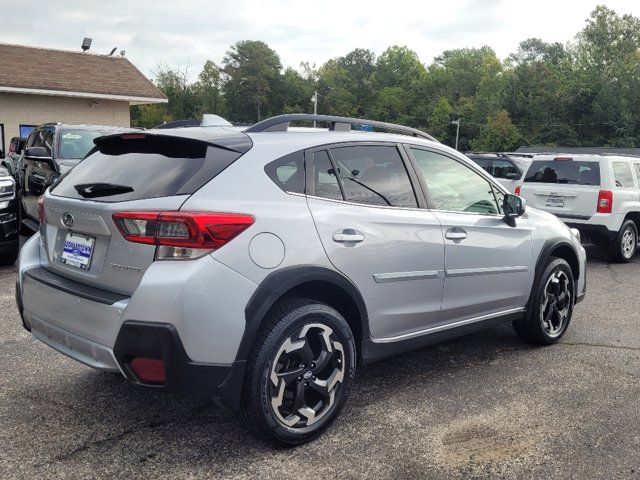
pixel 563 159
pixel 149 370
pixel 605 201
pixel 517 190
pixel 183 230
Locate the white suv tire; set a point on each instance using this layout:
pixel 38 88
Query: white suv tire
pixel 625 245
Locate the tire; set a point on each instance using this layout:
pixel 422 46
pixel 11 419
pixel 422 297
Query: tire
pixel 625 245
pixel 10 255
pixel 545 323
pixel 296 332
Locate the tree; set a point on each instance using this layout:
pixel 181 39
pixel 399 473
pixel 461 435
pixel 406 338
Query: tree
pixel 250 68
pixel 209 90
pixel 498 135
pixel 174 83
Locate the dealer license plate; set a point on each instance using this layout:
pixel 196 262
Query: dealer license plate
pixel 77 250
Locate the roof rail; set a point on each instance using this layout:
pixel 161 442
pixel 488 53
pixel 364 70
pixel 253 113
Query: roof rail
pixel 280 123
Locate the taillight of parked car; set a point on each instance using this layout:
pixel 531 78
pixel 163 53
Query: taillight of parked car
pixel 605 201
pixel 181 235
pixel 517 190
pixel 41 214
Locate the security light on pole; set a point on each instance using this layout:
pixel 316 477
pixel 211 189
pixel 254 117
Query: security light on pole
pixel 314 100
pixel 457 124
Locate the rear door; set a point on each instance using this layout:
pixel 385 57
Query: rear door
pixel 488 263
pixel 130 172
pixel 373 230
pixel 564 186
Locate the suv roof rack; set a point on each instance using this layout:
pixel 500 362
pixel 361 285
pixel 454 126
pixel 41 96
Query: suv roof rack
pixel 497 154
pixel 281 123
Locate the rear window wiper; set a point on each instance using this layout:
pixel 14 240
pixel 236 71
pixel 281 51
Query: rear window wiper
pixel 95 190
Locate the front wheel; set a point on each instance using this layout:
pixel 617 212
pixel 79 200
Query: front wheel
pixel 10 254
pixel 299 373
pixel 548 317
pixel 624 246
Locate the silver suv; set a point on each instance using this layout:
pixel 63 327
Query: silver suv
pixel 261 267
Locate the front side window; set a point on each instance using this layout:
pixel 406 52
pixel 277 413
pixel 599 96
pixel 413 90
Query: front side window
pixel 455 187
pixel 374 175
pixel 622 175
pixel 42 138
pixel 75 144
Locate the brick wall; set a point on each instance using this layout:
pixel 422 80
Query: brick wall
pixel 22 109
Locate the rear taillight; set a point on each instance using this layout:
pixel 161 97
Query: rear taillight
pixel 181 235
pixel 41 214
pixel 605 201
pixel 517 190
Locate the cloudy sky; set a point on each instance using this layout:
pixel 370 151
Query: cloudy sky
pixel 189 32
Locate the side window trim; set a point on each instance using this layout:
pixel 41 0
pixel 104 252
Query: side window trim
pixel 478 169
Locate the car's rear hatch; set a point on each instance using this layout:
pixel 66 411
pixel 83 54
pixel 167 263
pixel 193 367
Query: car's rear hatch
pixel 565 186
pixel 150 172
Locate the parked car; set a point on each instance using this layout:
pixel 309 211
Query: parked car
pixel 9 240
pixel 500 166
pixel 596 194
pixel 51 150
pixel 261 267
pixel 10 162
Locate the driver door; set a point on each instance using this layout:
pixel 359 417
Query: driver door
pixel 488 263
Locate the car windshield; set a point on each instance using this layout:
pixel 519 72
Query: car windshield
pixel 564 171
pixel 75 144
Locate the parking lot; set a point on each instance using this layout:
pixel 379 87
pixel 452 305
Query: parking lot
pixel 485 405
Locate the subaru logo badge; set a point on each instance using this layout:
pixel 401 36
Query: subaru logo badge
pixel 67 220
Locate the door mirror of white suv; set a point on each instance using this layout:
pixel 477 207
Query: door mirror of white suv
pixel 513 207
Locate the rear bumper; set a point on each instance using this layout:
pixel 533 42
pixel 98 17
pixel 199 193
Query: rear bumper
pixel 596 233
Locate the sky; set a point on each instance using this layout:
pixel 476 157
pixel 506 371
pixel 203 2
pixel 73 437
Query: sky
pixel 185 33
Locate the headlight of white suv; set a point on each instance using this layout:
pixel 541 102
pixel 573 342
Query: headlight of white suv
pixel 7 191
pixel 576 233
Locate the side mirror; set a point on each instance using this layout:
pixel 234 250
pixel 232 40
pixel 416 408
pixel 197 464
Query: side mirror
pixel 37 153
pixel 512 176
pixel 513 207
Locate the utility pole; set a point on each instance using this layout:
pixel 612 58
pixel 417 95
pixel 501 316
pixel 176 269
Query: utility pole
pixel 457 124
pixel 314 100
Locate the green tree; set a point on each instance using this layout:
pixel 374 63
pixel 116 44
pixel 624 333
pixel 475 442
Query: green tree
pixel 250 68
pixel 498 135
pixel 209 90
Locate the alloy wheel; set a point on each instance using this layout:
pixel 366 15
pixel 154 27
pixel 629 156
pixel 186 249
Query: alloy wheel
pixel 628 243
pixel 556 303
pixel 305 376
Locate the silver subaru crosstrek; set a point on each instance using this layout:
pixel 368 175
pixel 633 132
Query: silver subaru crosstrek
pixel 262 266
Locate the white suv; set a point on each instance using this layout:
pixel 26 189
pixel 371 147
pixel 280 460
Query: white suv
pixel 597 194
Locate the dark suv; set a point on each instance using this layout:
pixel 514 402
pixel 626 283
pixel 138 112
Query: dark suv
pixel 51 150
pixel 9 241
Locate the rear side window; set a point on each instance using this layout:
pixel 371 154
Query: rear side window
pixel 504 169
pixel 374 175
pixel 564 172
pixel 622 175
pixel 325 181
pixel 288 172
pixel 485 163
pixel 147 167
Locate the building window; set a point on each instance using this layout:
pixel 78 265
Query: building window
pixel 25 130
pixel 2 151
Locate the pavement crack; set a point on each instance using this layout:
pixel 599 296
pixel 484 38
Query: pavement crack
pixel 601 345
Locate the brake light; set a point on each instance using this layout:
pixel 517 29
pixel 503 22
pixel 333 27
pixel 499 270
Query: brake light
pixel 41 214
pixel 563 159
pixel 605 201
pixel 132 136
pixel 517 190
pixel 181 235
pixel 149 370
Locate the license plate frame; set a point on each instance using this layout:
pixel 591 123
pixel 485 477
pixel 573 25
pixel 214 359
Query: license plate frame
pixel 77 250
pixel 554 201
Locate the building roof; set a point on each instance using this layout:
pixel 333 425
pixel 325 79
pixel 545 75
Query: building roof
pixel 579 150
pixel 44 71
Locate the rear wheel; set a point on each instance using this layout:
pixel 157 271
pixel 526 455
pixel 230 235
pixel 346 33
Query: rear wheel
pixel 625 245
pixel 10 255
pixel 548 317
pixel 299 373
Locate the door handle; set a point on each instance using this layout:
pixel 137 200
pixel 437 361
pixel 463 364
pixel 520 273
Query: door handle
pixel 348 236
pixel 456 233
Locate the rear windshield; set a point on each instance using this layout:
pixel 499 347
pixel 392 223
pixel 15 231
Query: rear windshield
pixel 75 144
pixel 564 171
pixel 147 167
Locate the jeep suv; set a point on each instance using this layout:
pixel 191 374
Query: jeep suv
pixel 596 194
pixel 263 266
pixel 51 150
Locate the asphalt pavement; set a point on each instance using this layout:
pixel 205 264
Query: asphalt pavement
pixel 481 406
